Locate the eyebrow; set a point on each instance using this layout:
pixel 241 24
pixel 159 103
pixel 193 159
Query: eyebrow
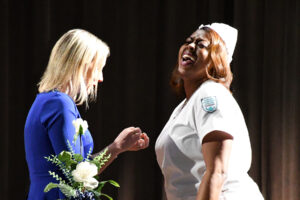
pixel 198 40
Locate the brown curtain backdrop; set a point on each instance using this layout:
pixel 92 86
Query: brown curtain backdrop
pixel 144 37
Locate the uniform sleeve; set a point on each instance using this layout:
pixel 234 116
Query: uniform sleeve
pixel 214 110
pixel 57 117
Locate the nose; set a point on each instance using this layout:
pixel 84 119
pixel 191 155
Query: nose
pixel 100 77
pixel 192 45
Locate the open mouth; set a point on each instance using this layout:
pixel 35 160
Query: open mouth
pixel 187 59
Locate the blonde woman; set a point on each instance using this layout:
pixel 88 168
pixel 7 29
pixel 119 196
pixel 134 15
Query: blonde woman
pixel 71 78
pixel 204 150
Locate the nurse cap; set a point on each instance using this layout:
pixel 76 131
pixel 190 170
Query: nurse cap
pixel 228 35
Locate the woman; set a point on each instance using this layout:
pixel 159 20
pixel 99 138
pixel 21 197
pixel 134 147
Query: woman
pixel 73 72
pixel 204 150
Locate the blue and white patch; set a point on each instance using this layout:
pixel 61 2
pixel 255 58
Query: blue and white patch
pixel 209 104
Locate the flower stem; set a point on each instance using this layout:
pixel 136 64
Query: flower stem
pixel 80 145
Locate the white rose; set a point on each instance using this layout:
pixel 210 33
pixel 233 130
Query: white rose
pixel 85 172
pixel 90 184
pixel 78 122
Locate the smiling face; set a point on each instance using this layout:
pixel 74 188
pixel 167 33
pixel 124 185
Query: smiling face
pixel 193 56
pixel 203 56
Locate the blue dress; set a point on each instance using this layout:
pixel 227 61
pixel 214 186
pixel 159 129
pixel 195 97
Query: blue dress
pixel 48 127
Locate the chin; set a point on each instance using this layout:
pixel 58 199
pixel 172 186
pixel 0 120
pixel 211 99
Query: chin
pixel 183 71
pixel 183 75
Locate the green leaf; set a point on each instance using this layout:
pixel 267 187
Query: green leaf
pixel 73 166
pixel 70 163
pixel 98 194
pixel 96 163
pixel 65 156
pixel 50 186
pixel 107 196
pixel 80 130
pixel 101 185
pixel 67 190
pixel 114 183
pixel 76 185
pixel 78 157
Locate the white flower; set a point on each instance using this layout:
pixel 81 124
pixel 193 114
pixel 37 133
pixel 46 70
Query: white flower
pixel 85 172
pixel 90 184
pixel 79 122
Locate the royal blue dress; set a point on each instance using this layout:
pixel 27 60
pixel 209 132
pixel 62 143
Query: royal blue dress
pixel 48 127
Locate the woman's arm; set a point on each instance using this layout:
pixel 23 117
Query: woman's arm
pixel 58 119
pixel 130 139
pixel 216 149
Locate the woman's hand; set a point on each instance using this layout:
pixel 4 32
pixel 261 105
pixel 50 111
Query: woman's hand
pixel 131 139
pixel 142 143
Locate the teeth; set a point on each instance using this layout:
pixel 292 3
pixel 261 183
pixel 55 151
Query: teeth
pixel 188 57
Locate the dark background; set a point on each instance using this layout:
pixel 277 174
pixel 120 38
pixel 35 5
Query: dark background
pixel 144 37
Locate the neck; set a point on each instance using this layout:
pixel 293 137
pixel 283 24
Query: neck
pixel 190 87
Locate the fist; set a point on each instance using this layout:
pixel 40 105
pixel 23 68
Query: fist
pixel 142 143
pixel 131 139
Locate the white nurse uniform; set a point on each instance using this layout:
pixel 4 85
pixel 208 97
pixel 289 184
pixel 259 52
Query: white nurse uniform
pixel 178 148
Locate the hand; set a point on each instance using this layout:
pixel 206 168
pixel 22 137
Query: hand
pixel 142 143
pixel 131 139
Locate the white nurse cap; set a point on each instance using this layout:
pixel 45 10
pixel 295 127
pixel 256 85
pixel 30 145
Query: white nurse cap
pixel 228 35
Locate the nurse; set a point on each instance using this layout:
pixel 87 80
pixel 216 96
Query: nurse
pixel 204 150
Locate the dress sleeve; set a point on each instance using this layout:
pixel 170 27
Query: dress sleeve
pixel 57 117
pixel 215 109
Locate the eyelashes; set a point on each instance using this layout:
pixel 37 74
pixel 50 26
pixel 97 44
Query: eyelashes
pixel 201 45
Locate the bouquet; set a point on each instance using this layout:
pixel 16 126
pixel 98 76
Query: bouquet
pixel 81 182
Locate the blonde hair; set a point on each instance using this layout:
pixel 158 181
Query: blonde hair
pixel 68 64
pixel 218 69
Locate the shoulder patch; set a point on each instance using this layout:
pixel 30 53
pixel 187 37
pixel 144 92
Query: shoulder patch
pixel 209 104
